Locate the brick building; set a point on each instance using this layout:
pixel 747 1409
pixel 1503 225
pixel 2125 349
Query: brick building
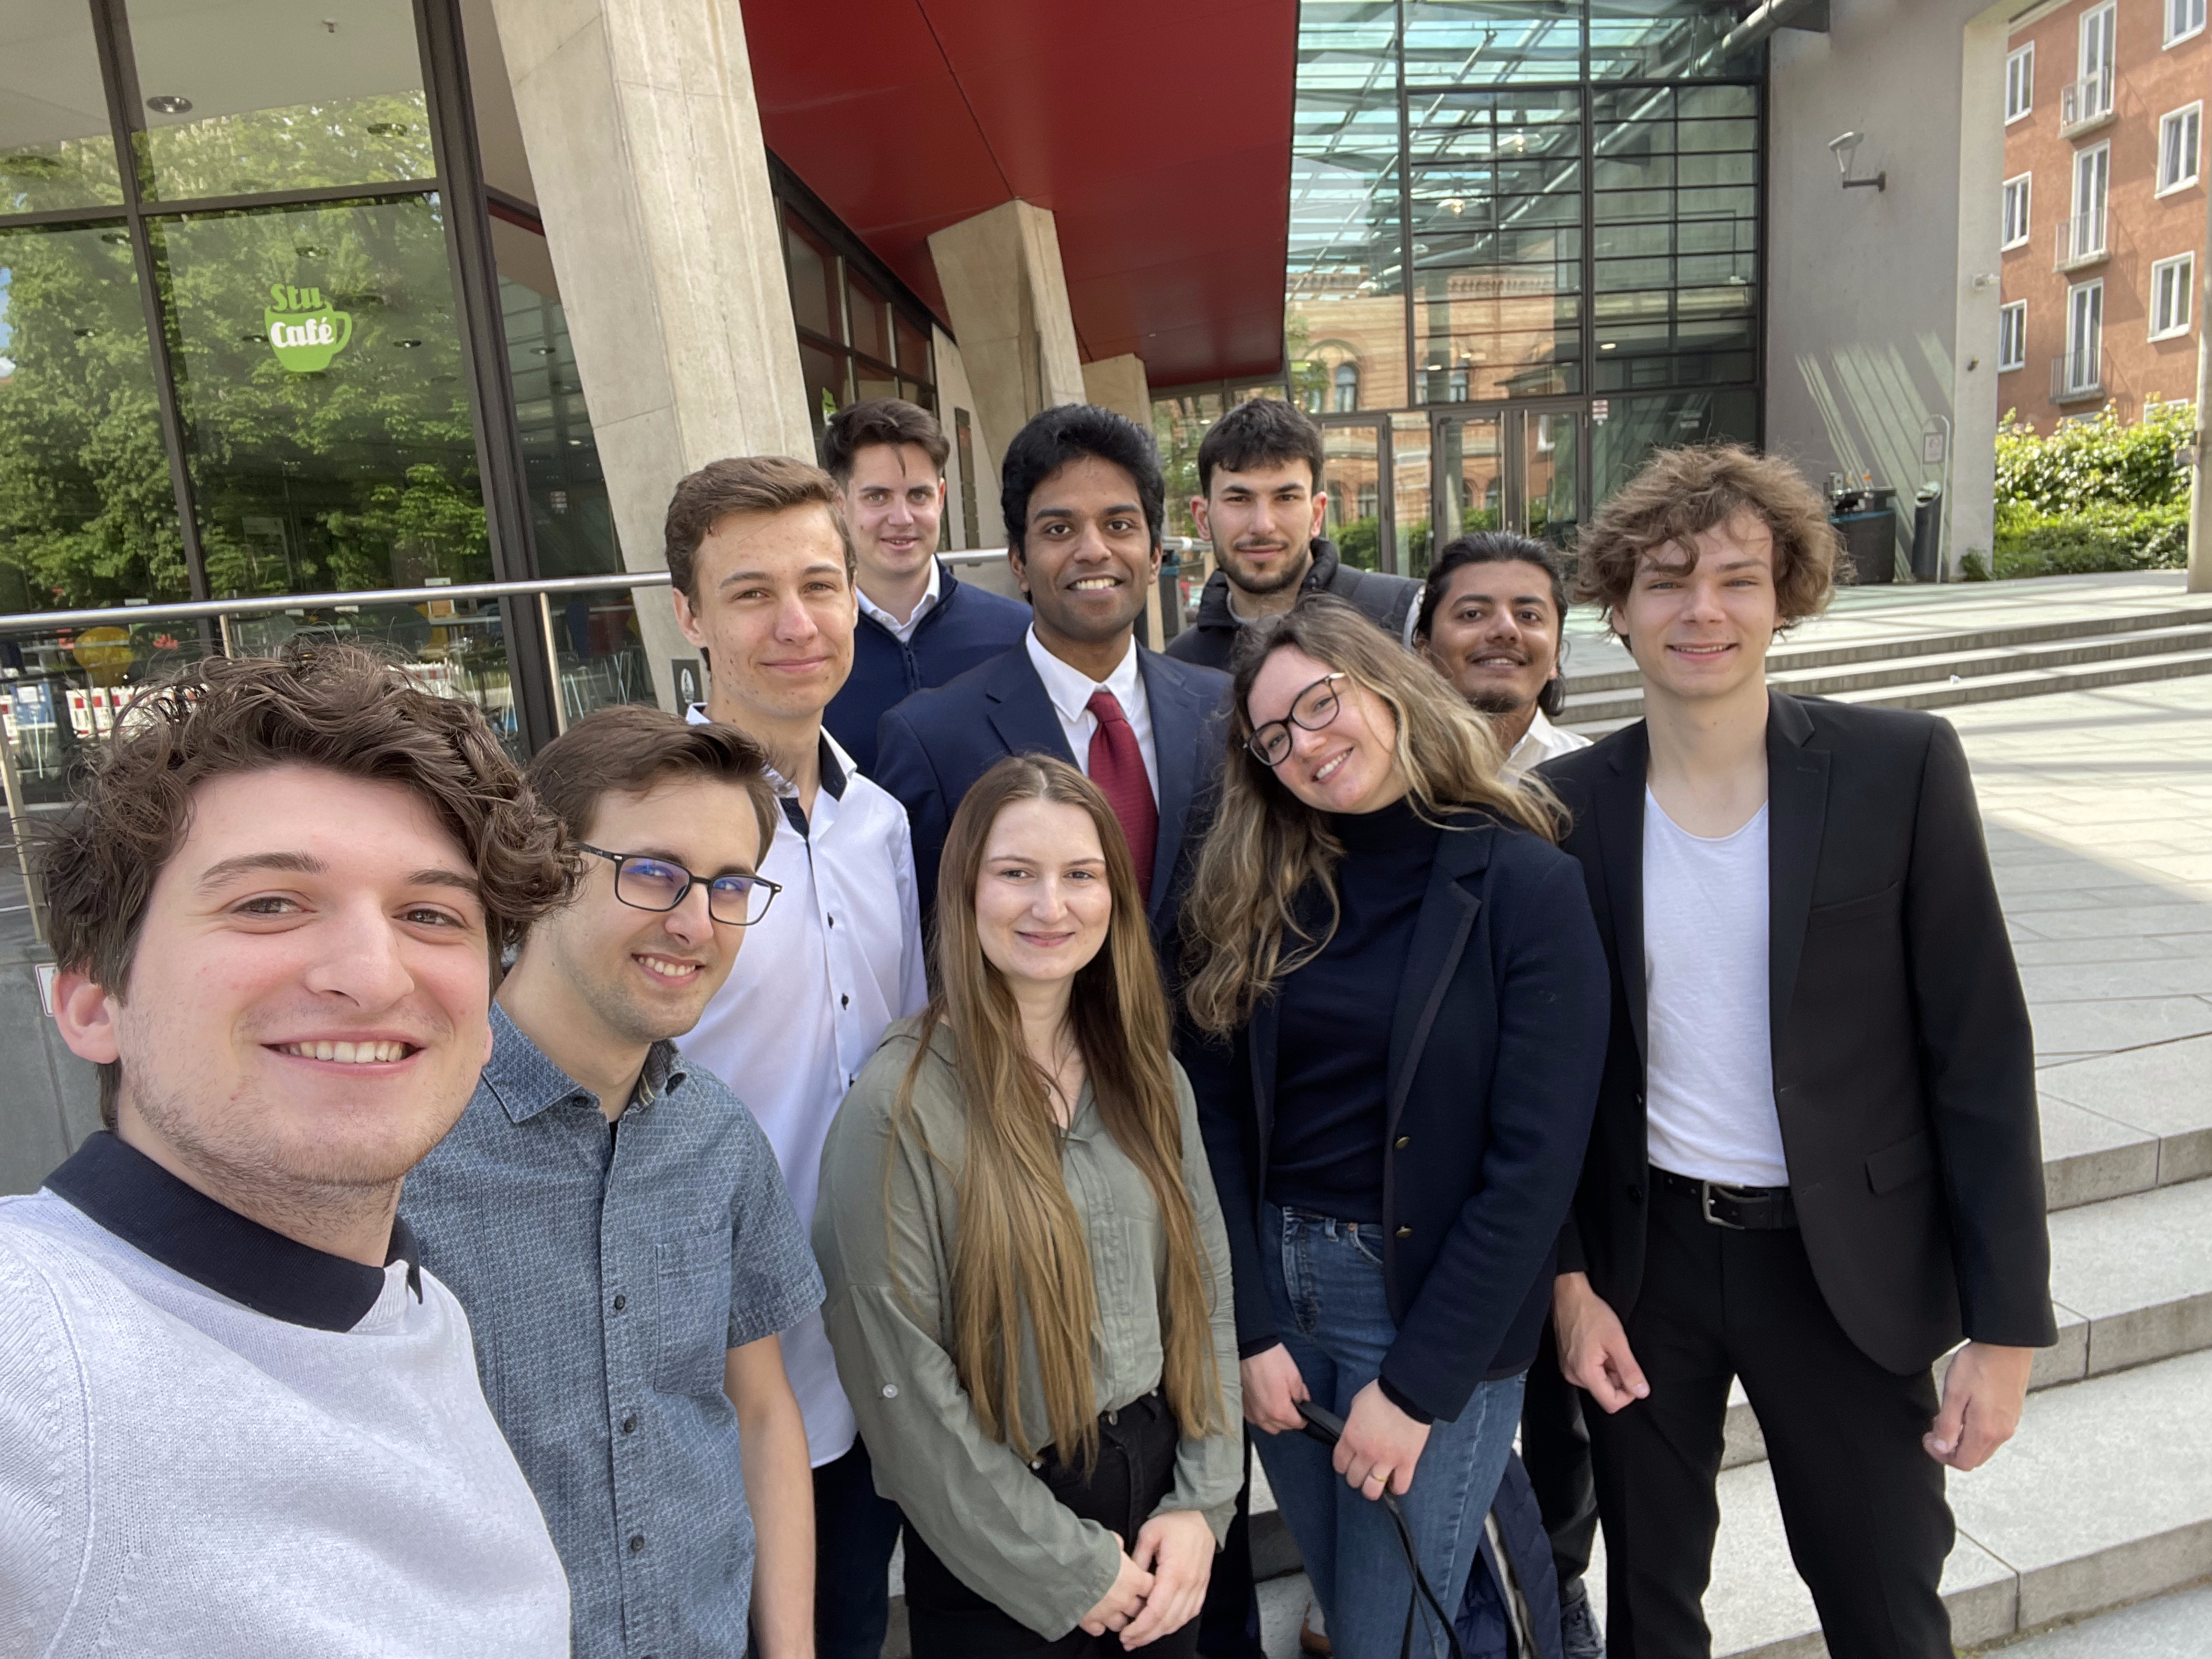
pixel 2103 207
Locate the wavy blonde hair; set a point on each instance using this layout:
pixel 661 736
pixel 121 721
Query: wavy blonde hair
pixel 1019 1260
pixel 1240 929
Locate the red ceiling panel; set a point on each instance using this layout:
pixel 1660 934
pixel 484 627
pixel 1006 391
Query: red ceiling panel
pixel 1157 132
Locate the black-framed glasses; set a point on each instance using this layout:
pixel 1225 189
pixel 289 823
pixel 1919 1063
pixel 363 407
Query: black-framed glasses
pixel 645 882
pixel 1310 710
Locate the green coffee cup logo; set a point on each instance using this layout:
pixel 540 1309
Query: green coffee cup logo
pixel 303 332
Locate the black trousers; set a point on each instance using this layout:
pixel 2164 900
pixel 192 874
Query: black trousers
pixel 1229 1623
pixel 1862 1503
pixel 856 1530
pixel 1555 1449
pixel 1137 1448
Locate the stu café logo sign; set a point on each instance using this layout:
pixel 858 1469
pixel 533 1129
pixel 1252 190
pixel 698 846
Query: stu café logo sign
pixel 303 332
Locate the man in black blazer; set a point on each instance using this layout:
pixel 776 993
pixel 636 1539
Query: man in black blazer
pixel 1083 500
pixel 1816 1163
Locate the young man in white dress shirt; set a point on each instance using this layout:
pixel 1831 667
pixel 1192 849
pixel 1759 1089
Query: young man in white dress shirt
pixel 237 1418
pixel 764 585
pixel 1494 619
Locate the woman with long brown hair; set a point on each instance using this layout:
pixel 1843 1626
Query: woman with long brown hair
pixel 1028 1277
pixel 1408 998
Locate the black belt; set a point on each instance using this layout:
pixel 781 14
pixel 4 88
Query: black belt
pixel 1740 1209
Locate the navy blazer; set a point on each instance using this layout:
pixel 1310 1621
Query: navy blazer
pixel 1498 1036
pixel 930 747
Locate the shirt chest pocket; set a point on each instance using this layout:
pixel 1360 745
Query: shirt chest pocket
pixel 692 1287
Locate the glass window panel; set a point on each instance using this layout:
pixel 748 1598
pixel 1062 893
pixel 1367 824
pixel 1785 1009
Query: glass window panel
pixel 56 148
pixel 1662 39
pixel 598 651
pixel 1457 43
pixel 326 412
pixel 570 511
pixel 242 96
pixel 912 349
pixel 1718 136
pixel 813 280
pixel 1725 203
pixel 1344 45
pixel 1694 172
pixel 869 381
pixel 1351 475
pixel 87 513
pixel 826 390
pixel 1470 462
pixel 1698 103
pixel 1636 426
pixel 870 317
pixel 1409 504
pixel 1550 465
pixel 1345 282
pixel 1618 205
pixel 1632 172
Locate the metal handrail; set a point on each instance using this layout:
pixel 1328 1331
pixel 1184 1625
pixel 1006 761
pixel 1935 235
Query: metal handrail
pixel 40 622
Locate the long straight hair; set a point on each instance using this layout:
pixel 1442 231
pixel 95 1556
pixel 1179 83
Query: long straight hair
pixel 1018 1259
pixel 1265 844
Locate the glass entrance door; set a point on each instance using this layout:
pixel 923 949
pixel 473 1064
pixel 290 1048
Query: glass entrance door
pixel 1518 468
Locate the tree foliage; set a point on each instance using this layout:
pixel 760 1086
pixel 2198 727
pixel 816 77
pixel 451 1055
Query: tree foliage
pixel 2092 496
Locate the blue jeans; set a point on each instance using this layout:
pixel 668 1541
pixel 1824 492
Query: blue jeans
pixel 1324 1279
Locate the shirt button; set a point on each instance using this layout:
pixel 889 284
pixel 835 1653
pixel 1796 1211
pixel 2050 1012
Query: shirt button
pixel 636 1542
pixel 891 1390
pixel 1405 1232
pixel 621 1302
pixel 844 1001
pixel 1404 1141
pixel 629 1424
pixel 833 921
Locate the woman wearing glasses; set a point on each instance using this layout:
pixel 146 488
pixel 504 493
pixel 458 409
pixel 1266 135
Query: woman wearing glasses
pixel 1028 1284
pixel 1408 998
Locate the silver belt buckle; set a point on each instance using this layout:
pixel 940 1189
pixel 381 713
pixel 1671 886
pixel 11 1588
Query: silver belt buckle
pixel 1706 1190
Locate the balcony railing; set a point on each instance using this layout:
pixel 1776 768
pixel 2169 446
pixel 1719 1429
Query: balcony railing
pixel 2085 105
pixel 2078 376
pixel 2081 241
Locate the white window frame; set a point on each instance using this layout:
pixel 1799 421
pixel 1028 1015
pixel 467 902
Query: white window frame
pixel 2012 231
pixel 2182 268
pixel 2019 83
pixel 2084 298
pixel 2012 337
pixel 2190 14
pixel 2100 25
pixel 2192 117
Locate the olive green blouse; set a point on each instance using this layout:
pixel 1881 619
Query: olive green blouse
pixel 975 1502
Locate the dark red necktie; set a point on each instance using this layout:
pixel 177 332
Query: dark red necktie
pixel 1117 767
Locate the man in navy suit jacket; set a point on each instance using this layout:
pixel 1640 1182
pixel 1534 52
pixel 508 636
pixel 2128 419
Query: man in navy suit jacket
pixel 1083 500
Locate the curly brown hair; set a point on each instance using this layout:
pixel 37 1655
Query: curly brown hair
pixel 339 708
pixel 1682 492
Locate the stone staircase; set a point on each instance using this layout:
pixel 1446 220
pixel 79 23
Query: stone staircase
pixel 1938 669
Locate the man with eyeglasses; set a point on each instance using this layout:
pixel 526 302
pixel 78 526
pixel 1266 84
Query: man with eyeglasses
pixel 614 1220
pixel 764 575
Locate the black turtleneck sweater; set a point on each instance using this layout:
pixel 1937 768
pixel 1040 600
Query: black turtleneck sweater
pixel 1333 1052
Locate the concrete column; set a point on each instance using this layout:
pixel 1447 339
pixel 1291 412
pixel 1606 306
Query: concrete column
pixel 1120 384
pixel 1002 284
pixel 645 146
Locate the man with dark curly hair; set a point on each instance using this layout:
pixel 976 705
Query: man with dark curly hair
pixel 237 1420
pixel 1815 1163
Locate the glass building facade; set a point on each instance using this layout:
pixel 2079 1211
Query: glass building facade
pixel 264 330
pixel 1525 244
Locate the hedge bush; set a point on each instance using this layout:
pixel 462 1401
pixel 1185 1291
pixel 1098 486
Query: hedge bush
pixel 2092 496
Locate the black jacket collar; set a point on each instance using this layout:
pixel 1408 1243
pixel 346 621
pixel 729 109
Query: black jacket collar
pixel 185 1230
pixel 1213 610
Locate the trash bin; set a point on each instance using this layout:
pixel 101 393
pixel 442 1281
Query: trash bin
pixel 1928 534
pixel 1871 538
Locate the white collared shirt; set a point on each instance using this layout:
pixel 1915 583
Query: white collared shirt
pixel 1071 690
pixel 1542 741
pixel 820 977
pixel 903 631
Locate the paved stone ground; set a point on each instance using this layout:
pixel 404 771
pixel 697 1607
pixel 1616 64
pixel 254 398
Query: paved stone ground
pixel 2099 811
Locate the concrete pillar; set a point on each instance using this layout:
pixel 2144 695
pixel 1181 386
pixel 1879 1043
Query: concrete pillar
pixel 645 146
pixel 1002 284
pixel 1120 384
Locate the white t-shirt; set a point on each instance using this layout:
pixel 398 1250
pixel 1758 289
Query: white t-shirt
pixel 183 1475
pixel 1709 1070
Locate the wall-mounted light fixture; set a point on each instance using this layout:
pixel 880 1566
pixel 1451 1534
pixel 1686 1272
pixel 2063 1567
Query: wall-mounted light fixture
pixel 1845 146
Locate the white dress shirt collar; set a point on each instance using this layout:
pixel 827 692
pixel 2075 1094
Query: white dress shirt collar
pixel 903 631
pixel 1070 690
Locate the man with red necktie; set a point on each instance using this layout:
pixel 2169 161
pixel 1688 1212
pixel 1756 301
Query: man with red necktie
pixel 1083 500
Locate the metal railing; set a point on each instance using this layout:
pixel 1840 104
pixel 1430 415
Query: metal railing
pixel 2082 241
pixel 2078 375
pixel 2085 104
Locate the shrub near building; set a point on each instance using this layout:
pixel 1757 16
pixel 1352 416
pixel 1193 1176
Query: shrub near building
pixel 2095 494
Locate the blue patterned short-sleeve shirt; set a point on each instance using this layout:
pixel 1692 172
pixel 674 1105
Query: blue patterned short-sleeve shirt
pixel 605 1272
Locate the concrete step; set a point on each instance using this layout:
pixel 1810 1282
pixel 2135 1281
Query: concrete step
pixel 2132 1278
pixel 1787 657
pixel 2104 1498
pixel 1947 679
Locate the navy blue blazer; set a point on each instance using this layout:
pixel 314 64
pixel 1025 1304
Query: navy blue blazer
pixel 930 749
pixel 968 625
pixel 1497 1041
